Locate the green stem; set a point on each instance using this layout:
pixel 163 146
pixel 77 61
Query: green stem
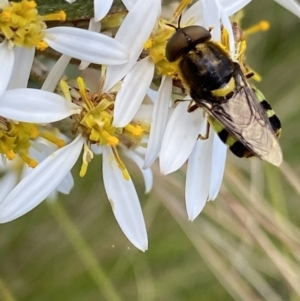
pixel 83 251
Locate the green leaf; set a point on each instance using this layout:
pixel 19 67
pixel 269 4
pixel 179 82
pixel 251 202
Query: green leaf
pixel 80 10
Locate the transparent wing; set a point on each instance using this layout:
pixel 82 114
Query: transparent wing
pixel 244 118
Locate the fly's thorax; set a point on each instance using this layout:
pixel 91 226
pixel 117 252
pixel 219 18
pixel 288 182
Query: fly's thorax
pixel 206 67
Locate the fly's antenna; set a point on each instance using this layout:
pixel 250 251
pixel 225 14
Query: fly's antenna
pixel 179 20
pixel 178 26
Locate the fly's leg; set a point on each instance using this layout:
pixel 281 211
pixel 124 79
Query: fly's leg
pixel 206 136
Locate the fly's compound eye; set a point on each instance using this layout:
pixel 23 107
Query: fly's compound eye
pixel 184 39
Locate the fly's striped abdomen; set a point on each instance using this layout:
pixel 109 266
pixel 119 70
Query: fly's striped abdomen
pixel 237 147
pixel 234 145
pixel 274 120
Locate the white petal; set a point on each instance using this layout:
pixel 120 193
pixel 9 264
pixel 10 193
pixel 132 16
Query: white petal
pixel 70 1
pixel 134 88
pixel 194 14
pixel 22 67
pixel 152 94
pixel 124 201
pixel 198 177
pixel 52 197
pixel 212 18
pixel 140 151
pixel 129 3
pixel 231 7
pixel 37 106
pixel 39 183
pixel 101 8
pixel 133 33
pixel 180 137
pixel 159 122
pixel 86 45
pixel 7 183
pixel 40 151
pixel 219 151
pixel 7 59
pixel 94 26
pixel 96 149
pixel 56 73
pixel 66 185
pixel 144 113
pixel 291 5
pixel 147 173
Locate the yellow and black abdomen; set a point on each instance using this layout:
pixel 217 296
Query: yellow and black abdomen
pixel 274 120
pixel 206 67
pixel 237 147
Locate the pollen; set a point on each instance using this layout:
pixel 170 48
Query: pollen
pixel 51 137
pixel 156 47
pixel 95 123
pixel 148 44
pixel 15 140
pixel 121 165
pixel 86 159
pixel 261 26
pixel 59 16
pixel 225 39
pixel 22 26
pixel 134 130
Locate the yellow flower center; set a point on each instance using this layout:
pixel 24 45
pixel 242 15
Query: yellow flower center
pixel 95 123
pixel 156 44
pixel 15 139
pixel 21 24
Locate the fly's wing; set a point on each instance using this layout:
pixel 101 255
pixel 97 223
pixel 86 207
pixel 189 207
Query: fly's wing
pixel 244 118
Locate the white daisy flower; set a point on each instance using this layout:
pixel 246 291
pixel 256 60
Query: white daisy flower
pixel 22 26
pixel 93 126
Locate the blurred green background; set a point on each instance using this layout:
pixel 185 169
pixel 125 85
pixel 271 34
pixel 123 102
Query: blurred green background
pixel 244 246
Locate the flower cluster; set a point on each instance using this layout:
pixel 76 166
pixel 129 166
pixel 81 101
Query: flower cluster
pixel 114 120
